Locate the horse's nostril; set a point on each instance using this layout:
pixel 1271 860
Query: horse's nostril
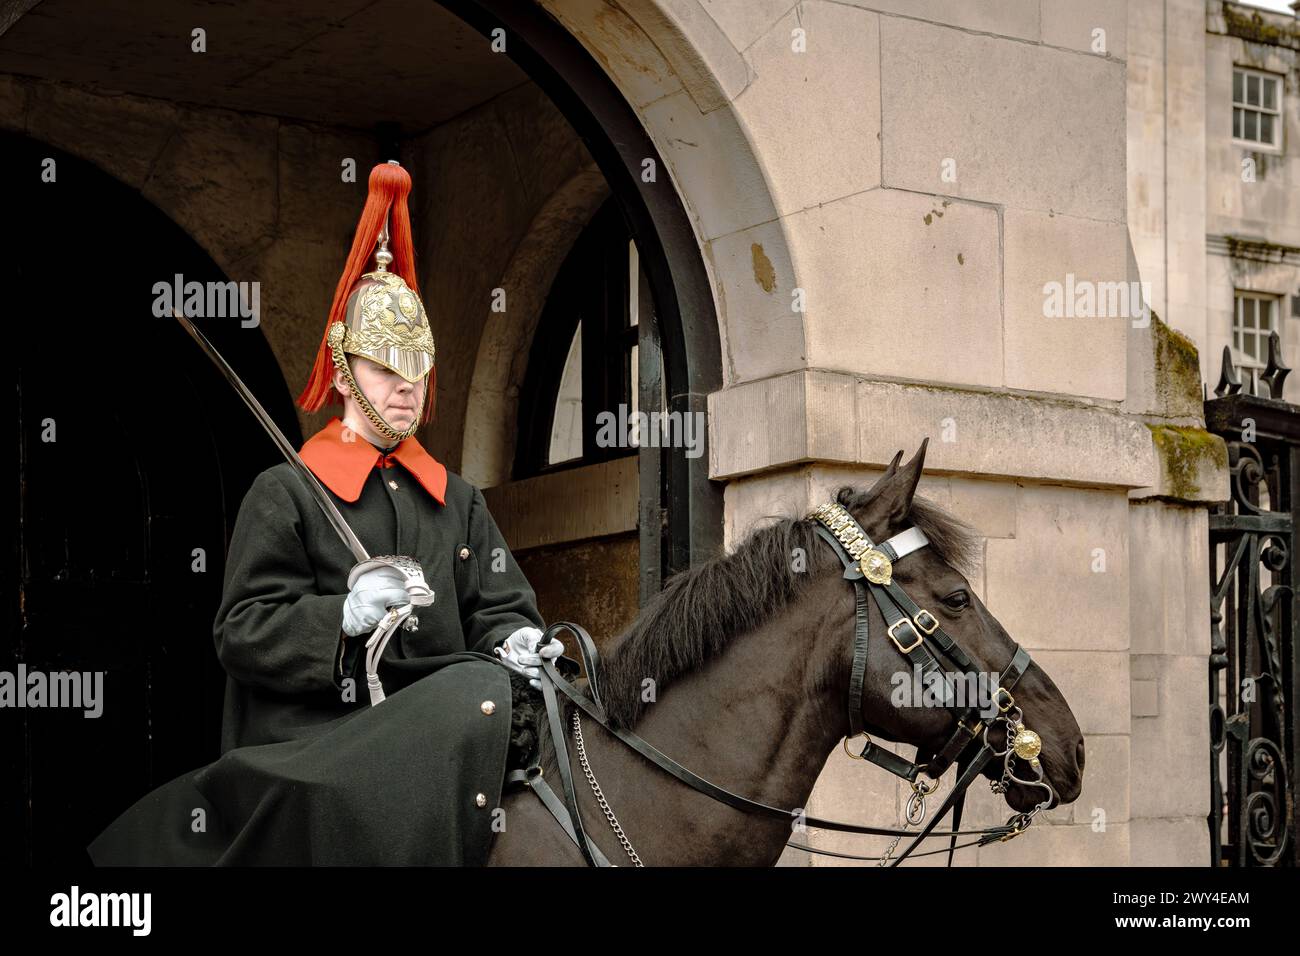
pixel 1078 755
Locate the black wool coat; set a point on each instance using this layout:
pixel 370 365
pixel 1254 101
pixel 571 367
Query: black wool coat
pixel 310 773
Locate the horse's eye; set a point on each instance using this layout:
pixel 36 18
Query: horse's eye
pixel 957 601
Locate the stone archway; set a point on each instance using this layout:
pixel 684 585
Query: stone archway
pixel 650 93
pixel 491 411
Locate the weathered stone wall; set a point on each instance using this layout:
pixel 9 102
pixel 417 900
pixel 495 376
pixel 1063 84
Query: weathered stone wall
pixel 882 191
pixel 1166 159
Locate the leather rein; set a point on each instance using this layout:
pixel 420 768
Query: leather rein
pixel 869 568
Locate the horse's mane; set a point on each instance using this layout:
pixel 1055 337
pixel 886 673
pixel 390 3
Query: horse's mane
pixel 700 610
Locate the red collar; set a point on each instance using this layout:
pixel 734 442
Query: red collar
pixel 343 466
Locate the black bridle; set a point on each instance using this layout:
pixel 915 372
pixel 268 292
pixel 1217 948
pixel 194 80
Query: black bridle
pixel 913 631
pixel 870 568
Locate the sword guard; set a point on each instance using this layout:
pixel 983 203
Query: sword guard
pixel 412 575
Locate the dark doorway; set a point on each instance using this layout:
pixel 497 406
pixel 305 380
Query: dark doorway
pixel 151 455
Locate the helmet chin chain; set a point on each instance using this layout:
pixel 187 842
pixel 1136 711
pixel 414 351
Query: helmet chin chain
pixel 385 430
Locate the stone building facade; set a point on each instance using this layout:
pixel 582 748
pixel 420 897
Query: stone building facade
pixel 1214 177
pixel 883 195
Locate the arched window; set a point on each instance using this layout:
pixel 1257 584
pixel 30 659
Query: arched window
pixel 595 361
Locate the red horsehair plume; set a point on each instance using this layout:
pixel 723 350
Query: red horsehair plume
pixel 390 184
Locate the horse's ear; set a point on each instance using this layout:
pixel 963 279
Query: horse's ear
pixel 899 485
pixel 883 480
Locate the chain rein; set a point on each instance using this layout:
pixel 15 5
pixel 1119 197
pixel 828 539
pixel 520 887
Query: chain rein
pixel 600 796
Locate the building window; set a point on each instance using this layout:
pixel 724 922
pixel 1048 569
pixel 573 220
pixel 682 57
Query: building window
pixel 1255 318
pixel 1257 108
pixel 584 369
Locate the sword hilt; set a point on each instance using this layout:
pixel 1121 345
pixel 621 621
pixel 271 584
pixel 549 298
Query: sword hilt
pixel 417 588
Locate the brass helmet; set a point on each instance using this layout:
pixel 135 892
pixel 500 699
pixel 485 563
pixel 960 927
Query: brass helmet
pixel 385 322
pixel 382 317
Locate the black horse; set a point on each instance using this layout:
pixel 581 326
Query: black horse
pixel 739 670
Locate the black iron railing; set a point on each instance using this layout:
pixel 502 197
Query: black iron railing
pixel 1254 583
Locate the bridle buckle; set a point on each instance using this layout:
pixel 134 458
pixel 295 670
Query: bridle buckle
pixel 1011 701
pixel 894 637
pixel 924 617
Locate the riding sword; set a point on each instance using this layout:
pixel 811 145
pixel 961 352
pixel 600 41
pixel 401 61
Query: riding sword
pixel 332 514
pixel 417 589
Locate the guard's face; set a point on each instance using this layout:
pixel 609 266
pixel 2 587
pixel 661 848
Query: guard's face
pixel 396 399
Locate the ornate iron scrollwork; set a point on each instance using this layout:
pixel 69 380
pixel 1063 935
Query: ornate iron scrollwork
pixel 1254 583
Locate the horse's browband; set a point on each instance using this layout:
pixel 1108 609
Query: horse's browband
pixel 876 564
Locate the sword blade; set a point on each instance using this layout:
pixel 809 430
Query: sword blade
pixel 314 486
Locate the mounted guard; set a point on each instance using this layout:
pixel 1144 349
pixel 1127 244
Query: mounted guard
pixel 311 769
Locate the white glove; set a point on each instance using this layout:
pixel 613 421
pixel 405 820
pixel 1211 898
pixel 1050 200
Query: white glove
pixel 370 598
pixel 520 650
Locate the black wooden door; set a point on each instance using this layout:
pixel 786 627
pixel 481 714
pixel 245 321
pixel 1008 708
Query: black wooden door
pixel 133 456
